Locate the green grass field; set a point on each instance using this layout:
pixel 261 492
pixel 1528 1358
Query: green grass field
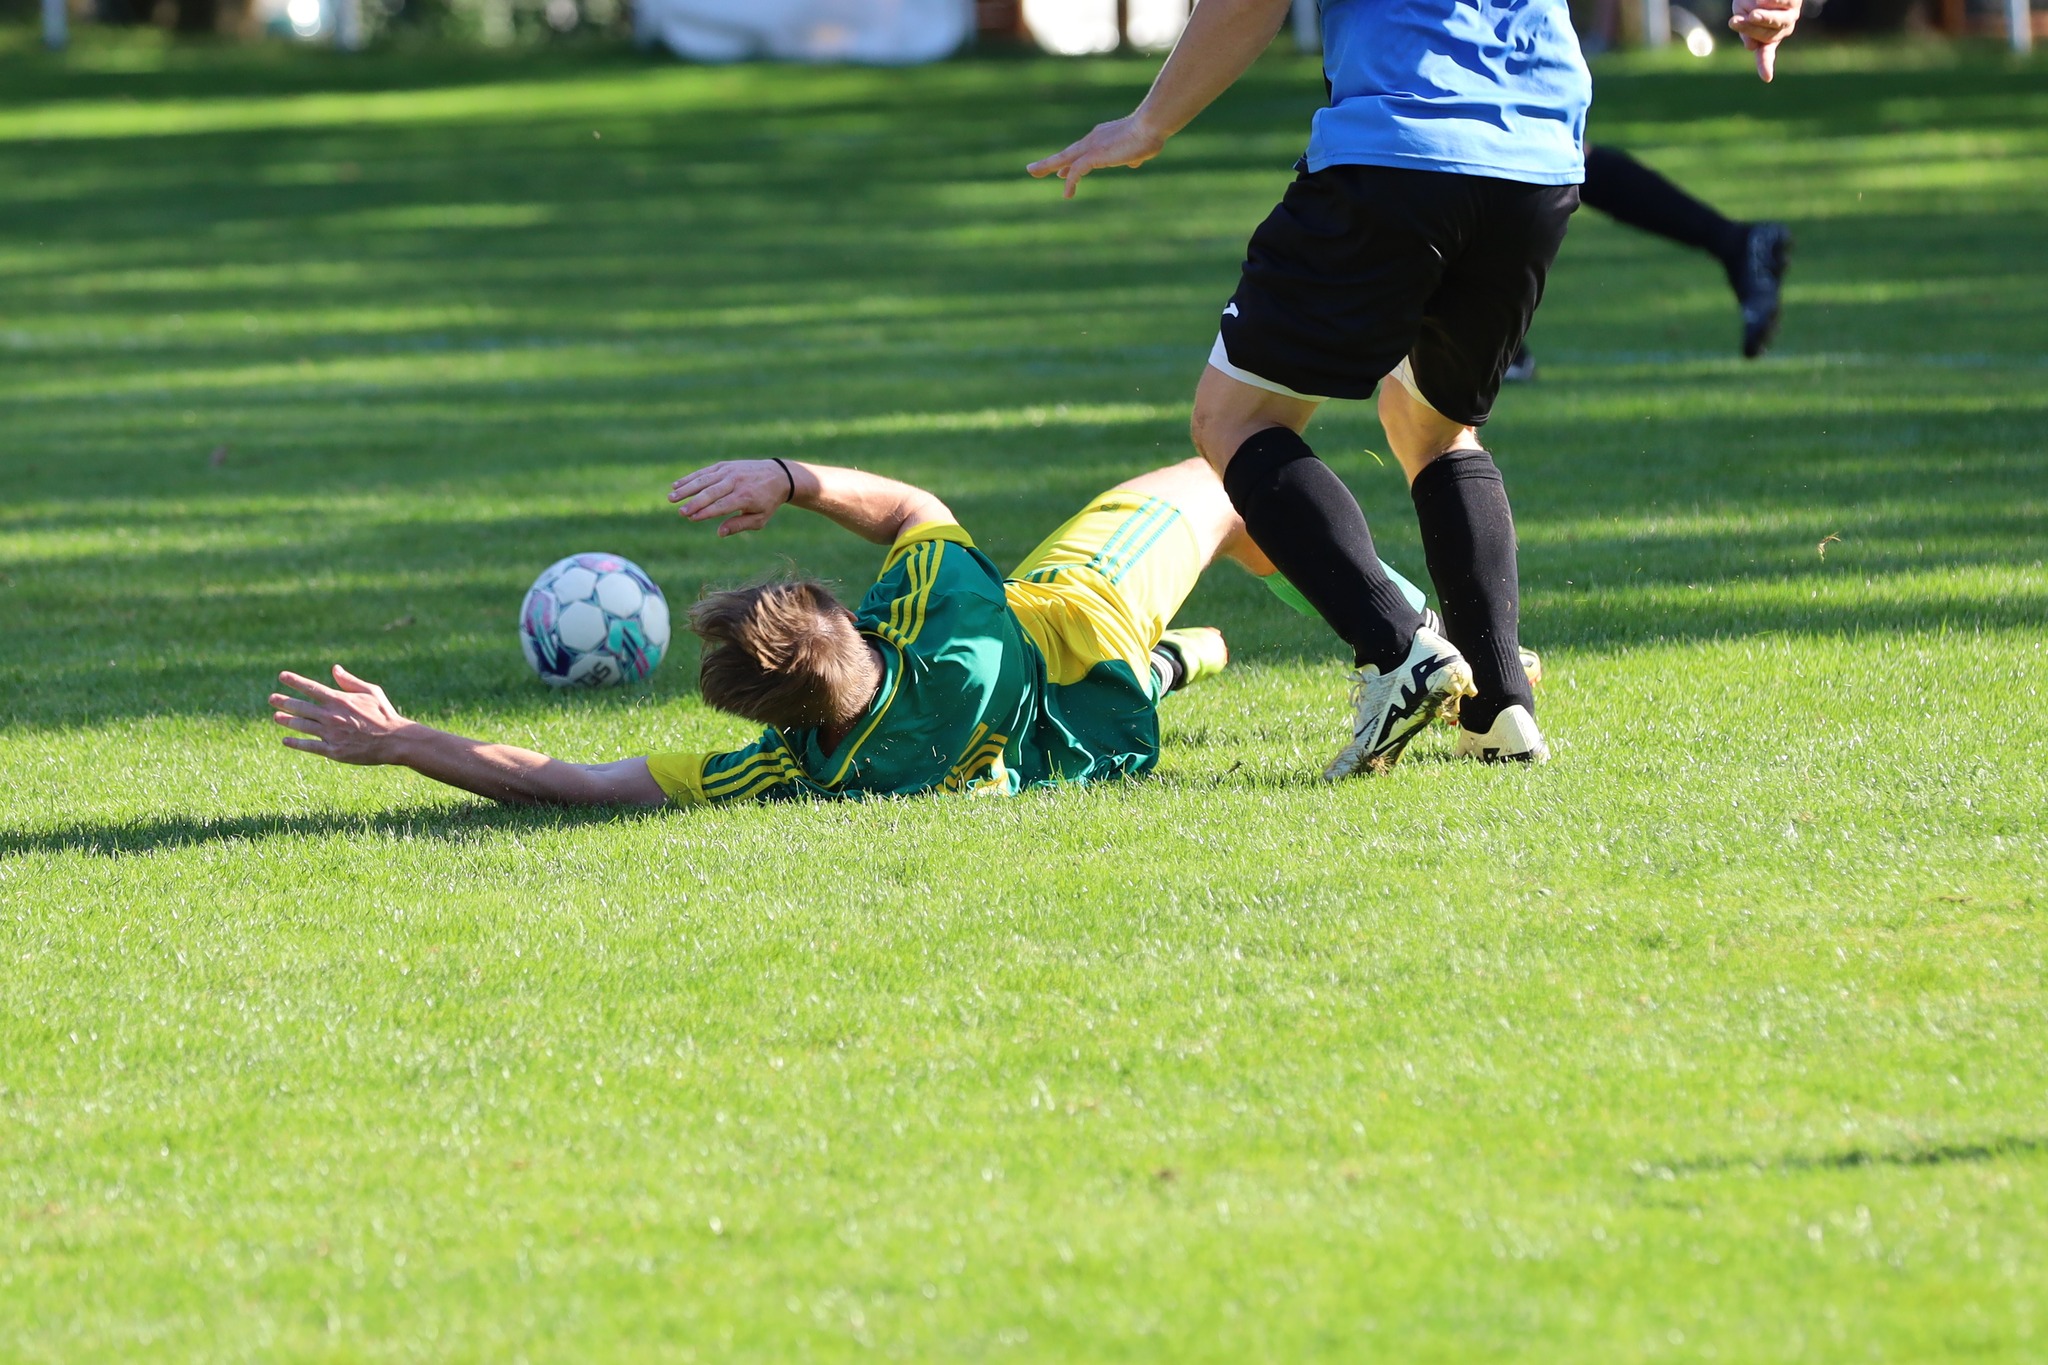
pixel 1720 1038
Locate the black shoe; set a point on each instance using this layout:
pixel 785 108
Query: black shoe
pixel 1522 368
pixel 1759 279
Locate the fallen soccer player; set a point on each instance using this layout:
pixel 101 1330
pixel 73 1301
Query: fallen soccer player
pixel 947 677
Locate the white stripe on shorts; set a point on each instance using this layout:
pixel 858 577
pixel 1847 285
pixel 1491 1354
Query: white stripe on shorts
pixel 1219 359
pixel 1404 375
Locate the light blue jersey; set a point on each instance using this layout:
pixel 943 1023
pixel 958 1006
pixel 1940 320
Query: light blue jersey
pixel 1475 87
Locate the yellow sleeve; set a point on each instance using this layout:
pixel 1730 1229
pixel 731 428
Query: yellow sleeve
pixel 679 775
pixel 764 769
pixel 919 534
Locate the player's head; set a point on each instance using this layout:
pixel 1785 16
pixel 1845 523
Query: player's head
pixel 783 653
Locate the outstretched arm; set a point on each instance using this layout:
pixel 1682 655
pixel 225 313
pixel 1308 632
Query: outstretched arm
pixel 354 722
pixel 746 493
pixel 1222 39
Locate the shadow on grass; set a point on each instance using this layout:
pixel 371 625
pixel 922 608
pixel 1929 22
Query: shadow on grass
pixel 451 824
pixel 1931 1154
pixel 205 630
pixel 140 68
pixel 746 262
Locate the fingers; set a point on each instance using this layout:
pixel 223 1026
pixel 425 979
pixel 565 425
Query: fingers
pixel 1070 165
pixel 308 746
pixel 710 480
pixel 299 723
pixel 1056 163
pixel 351 683
pixel 749 521
pixel 695 482
pixel 295 707
pixel 1766 50
pixel 726 489
pixel 300 683
pixel 1763 25
pixel 719 501
pixel 701 481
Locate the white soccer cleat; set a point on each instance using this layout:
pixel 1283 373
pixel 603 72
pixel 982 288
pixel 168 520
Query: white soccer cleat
pixel 1392 708
pixel 1513 738
pixel 1532 665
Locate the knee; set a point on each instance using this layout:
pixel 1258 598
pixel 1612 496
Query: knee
pixel 1396 409
pixel 1205 431
pixel 1417 433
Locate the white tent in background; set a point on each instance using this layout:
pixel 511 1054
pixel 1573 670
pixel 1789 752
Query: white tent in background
pixel 882 32
pixel 1075 28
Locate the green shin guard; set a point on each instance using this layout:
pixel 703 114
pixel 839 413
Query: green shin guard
pixel 1278 585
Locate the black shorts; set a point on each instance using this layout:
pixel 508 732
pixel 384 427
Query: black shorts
pixel 1360 266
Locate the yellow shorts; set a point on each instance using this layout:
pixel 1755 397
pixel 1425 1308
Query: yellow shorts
pixel 1106 585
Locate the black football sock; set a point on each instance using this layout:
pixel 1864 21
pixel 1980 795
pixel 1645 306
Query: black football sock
pixel 1305 519
pixel 1629 192
pixel 1468 539
pixel 1169 670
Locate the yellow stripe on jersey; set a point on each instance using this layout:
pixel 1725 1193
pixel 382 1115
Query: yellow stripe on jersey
pixel 764 769
pixel 895 685
pixel 739 772
pixel 914 571
pixel 683 776
pixel 922 594
pixel 988 755
pixel 924 533
pixel 773 777
pixel 889 628
pixel 906 613
pixel 960 769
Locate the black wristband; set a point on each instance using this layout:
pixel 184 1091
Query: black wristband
pixel 787 475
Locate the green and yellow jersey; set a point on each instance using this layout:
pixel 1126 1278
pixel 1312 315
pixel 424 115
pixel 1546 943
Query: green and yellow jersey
pixel 968 701
pixel 959 690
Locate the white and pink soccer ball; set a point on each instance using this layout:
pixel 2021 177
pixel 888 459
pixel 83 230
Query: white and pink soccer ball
pixel 593 620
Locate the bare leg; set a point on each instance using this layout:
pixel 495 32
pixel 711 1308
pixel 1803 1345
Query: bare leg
pixel 1418 433
pixel 1302 515
pixel 1229 412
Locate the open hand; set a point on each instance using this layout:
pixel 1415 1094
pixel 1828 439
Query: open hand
pixel 352 722
pixel 1764 24
pixel 1129 141
pixel 744 492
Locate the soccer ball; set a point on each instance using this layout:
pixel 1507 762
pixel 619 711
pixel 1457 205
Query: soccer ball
pixel 593 620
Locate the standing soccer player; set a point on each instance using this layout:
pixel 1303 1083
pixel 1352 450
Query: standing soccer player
pixel 1413 242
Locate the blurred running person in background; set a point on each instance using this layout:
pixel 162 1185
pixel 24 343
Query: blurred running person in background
pixel 1754 255
pixel 1413 242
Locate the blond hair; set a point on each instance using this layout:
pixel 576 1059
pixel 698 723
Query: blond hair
pixel 783 653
